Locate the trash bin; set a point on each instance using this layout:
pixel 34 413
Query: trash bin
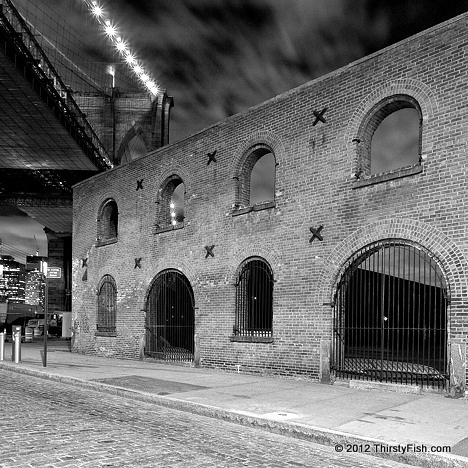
pixel 28 335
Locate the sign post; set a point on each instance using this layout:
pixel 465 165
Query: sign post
pixel 44 271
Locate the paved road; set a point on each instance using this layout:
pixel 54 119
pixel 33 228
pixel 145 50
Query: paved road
pixel 50 424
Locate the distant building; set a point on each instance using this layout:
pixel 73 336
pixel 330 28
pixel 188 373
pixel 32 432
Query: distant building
pixel 35 281
pixel 35 288
pixel 12 280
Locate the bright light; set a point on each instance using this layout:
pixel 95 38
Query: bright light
pixel 110 30
pixel 174 222
pixel 130 59
pixel 173 215
pixel 96 10
pixel 172 206
pixel 120 45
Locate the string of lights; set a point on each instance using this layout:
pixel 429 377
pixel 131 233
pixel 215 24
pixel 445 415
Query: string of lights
pixel 109 28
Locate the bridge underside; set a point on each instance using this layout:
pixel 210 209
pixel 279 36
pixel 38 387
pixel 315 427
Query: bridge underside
pixel 40 159
pixel 47 143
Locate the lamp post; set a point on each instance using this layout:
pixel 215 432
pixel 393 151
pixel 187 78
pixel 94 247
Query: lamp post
pixel 46 310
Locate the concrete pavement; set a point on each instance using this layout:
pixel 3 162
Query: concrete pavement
pixel 402 426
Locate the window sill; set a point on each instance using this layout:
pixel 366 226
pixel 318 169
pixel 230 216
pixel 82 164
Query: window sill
pixel 102 242
pixel 106 333
pixel 396 174
pixel 251 339
pixel 257 207
pixel 160 230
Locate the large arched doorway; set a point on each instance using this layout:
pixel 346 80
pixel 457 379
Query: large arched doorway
pixel 170 318
pixel 390 316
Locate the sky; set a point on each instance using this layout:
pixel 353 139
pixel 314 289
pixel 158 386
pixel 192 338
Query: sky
pixel 220 57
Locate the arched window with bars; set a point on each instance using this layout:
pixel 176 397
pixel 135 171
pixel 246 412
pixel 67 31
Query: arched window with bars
pixel 254 299
pixel 107 305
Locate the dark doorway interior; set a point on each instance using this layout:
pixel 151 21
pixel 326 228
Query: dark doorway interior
pixel 390 320
pixel 170 318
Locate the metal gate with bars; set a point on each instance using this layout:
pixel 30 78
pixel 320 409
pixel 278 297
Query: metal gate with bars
pixel 254 299
pixel 170 318
pixel 390 317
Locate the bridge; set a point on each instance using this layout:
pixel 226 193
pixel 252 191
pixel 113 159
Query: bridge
pixel 61 127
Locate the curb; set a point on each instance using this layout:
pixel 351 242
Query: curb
pixel 299 431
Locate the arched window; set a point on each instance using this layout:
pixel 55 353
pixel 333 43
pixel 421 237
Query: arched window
pixel 171 203
pixel 390 138
pixel 107 305
pixel 254 299
pixel 108 221
pixel 256 181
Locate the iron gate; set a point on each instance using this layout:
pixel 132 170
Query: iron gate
pixel 390 317
pixel 170 318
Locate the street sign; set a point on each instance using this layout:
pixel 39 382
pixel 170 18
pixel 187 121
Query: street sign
pixel 54 272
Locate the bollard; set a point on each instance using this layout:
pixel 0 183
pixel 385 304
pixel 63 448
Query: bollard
pixel 2 345
pixel 16 348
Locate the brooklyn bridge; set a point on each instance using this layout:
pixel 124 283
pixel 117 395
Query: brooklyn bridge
pixel 65 117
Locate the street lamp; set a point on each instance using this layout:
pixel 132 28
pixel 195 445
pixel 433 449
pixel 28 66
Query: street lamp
pixel 44 271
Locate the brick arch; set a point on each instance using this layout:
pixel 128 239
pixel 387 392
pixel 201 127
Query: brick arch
pixel 416 89
pixel 162 217
pixel 109 195
pixel 135 130
pixel 239 256
pixel 257 139
pixel 449 256
pixel 105 226
pixel 175 170
pixel 249 151
pixel 179 264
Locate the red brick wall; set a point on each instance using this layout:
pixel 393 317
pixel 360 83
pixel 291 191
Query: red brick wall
pixel 315 185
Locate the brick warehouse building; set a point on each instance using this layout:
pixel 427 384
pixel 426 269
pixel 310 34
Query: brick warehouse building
pixel 347 267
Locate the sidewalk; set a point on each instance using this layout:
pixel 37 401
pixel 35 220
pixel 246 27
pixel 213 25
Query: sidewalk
pixel 327 414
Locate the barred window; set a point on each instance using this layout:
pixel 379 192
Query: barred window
pixel 254 299
pixel 108 221
pixel 107 301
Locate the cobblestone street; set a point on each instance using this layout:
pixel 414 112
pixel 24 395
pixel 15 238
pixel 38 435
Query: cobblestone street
pixel 50 424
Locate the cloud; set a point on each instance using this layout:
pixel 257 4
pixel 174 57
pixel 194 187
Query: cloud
pixel 17 235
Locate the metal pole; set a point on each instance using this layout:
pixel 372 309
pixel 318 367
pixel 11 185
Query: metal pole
pixel 2 345
pixel 46 313
pixel 17 346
